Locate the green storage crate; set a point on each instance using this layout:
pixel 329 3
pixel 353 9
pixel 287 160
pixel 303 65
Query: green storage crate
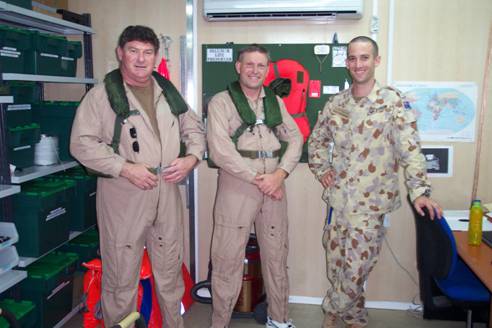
pixel 24 92
pixel 56 118
pixel 84 203
pixel 42 215
pixel 23 135
pixel 86 246
pixel 49 49
pixel 18 115
pixel 49 286
pixel 21 156
pixel 69 60
pixel 16 50
pixel 23 311
pixel 21 3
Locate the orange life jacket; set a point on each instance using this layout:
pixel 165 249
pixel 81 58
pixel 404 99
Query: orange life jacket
pixel 296 100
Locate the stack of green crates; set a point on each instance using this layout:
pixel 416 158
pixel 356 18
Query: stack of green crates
pixel 86 246
pixel 20 143
pixel 49 50
pixel 16 50
pixel 22 133
pixel 55 118
pixel 42 215
pixel 49 285
pixel 69 60
pixel 84 203
pixel 22 310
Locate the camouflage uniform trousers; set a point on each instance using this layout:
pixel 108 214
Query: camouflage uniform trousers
pixel 352 244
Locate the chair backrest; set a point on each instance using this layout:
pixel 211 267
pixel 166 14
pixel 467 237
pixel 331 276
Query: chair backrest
pixel 436 247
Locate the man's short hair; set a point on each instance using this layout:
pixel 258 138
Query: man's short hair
pixel 362 38
pixel 138 33
pixel 252 48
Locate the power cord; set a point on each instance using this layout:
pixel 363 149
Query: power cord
pixel 413 311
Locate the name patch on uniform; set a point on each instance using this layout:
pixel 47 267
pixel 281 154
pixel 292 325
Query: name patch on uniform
pixel 341 111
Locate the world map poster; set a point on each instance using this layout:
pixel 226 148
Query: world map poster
pixel 446 111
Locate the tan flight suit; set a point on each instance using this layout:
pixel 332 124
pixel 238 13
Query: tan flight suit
pixel 372 138
pixel 130 218
pixel 240 203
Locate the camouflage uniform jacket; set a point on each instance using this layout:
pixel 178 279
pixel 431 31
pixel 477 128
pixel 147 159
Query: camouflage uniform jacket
pixel 372 138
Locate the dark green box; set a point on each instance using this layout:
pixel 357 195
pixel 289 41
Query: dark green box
pixel 24 92
pixel 23 135
pixel 21 3
pixel 86 246
pixel 56 118
pixel 49 49
pixel 22 310
pixel 22 156
pixel 42 215
pixel 84 203
pixel 69 60
pixel 49 286
pixel 16 50
pixel 18 115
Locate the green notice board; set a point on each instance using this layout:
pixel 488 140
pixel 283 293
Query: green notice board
pixel 329 69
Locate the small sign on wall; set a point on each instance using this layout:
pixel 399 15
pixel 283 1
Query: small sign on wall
pixel 439 160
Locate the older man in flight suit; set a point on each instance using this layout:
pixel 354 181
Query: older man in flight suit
pixel 139 203
pixel 245 126
pixel 361 138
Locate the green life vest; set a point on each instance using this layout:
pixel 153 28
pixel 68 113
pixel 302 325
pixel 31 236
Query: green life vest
pixel 271 108
pixel 273 117
pixel 113 83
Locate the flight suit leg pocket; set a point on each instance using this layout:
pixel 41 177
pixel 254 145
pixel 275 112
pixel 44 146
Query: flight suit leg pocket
pixel 228 249
pixel 121 266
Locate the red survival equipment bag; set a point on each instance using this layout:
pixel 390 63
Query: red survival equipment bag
pixel 147 302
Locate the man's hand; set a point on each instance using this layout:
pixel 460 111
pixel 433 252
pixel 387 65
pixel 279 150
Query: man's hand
pixel 278 194
pixel 328 179
pixel 139 175
pixel 269 183
pixel 434 209
pixel 179 169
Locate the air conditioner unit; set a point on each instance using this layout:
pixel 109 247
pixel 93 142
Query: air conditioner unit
pixel 224 10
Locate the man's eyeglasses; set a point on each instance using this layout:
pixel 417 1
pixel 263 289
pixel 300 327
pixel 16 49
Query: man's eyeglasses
pixel 135 145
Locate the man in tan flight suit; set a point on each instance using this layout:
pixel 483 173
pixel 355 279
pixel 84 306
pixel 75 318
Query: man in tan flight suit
pixel 361 138
pixel 251 186
pixel 139 203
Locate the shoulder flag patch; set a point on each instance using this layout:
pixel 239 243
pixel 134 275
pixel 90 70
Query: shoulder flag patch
pixel 406 104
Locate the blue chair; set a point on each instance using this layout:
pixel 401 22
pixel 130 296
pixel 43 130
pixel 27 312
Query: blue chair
pixel 452 276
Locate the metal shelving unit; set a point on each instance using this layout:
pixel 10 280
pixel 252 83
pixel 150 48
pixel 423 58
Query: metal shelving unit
pixel 32 19
pixel 37 171
pixel 21 17
pixel 25 261
pixel 8 190
pixel 10 278
pixel 46 78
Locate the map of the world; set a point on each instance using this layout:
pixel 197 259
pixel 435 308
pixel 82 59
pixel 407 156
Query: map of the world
pixel 445 111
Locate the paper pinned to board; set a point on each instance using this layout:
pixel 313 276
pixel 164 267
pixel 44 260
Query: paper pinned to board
pixel 458 220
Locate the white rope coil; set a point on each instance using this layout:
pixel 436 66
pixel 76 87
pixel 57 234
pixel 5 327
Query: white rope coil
pixel 46 151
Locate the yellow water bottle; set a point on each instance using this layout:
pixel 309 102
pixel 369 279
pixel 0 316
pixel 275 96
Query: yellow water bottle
pixel 475 223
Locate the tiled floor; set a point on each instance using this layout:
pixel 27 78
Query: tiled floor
pixel 309 316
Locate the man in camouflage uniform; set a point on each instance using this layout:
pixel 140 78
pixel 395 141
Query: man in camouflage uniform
pixel 361 138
